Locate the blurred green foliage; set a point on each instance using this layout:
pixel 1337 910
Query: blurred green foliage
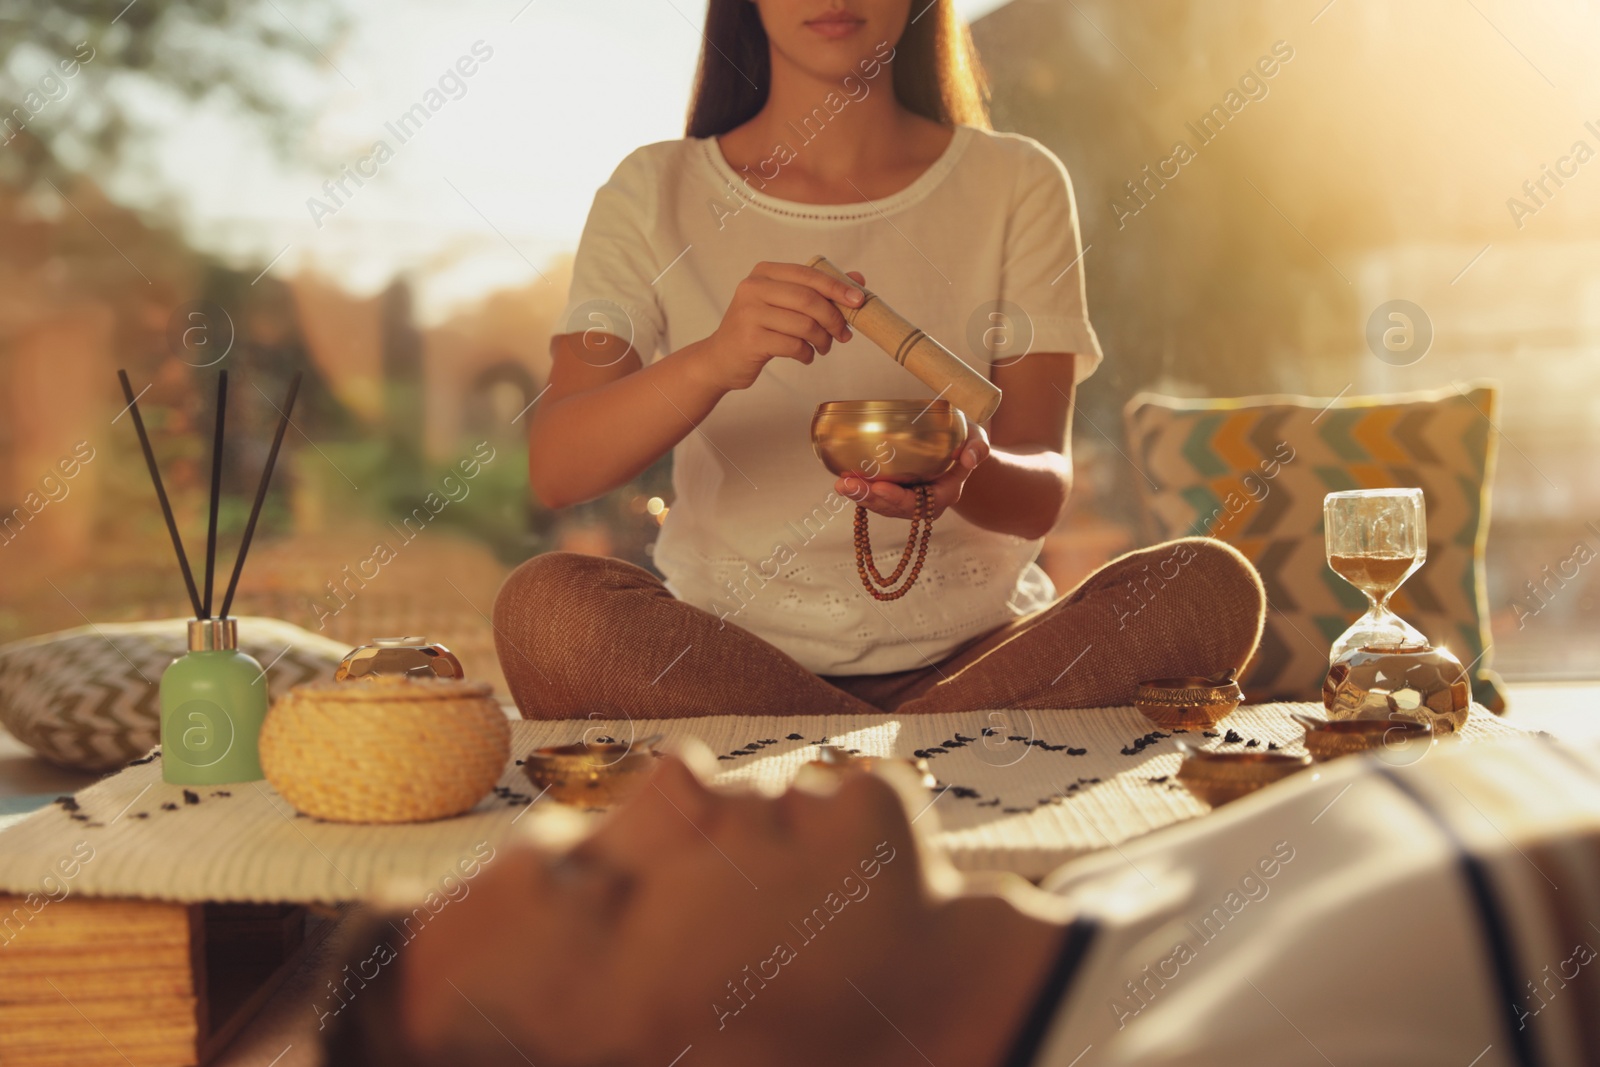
pixel 140 52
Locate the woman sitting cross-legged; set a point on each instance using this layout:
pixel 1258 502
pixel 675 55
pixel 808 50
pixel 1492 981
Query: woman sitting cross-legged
pixel 693 327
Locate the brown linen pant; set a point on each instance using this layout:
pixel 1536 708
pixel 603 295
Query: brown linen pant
pixel 590 637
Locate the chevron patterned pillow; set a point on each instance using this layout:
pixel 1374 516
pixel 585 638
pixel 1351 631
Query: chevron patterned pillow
pixel 1253 471
pixel 88 698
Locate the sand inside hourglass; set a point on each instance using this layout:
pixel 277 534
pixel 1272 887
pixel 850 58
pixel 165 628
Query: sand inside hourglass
pixel 1374 575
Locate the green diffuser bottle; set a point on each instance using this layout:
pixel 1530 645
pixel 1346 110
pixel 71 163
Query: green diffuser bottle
pixel 213 702
pixel 213 697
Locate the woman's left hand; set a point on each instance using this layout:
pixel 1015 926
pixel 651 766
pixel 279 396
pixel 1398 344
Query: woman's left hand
pixel 899 501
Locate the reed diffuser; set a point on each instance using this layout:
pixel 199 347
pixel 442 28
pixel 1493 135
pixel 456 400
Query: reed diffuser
pixel 213 697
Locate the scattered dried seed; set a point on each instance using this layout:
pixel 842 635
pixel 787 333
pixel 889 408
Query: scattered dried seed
pixel 169 806
pixel 191 797
pixel 1141 743
pixel 1232 737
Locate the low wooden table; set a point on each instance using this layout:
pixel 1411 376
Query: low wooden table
pixel 104 983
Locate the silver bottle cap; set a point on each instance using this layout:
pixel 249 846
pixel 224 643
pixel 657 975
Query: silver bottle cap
pixel 213 635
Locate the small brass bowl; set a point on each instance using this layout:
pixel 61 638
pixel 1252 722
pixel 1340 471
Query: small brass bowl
pixel 1181 703
pixel 833 758
pixel 903 441
pixel 1220 777
pixel 590 775
pixel 1327 740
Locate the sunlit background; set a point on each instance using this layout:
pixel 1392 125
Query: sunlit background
pixel 197 151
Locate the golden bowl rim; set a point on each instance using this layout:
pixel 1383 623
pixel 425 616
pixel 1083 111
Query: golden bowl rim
pixel 1190 682
pixel 584 754
pixel 857 407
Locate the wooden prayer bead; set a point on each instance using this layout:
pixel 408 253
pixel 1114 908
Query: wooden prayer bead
pixel 916 543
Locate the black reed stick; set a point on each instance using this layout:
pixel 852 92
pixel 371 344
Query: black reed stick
pixel 261 495
pixel 161 492
pixel 216 489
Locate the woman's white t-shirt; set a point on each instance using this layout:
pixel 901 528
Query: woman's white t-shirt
pixel 981 251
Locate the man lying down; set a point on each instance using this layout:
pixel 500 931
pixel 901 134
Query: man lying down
pixel 1445 912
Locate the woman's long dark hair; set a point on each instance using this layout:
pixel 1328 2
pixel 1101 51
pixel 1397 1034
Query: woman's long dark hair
pixel 936 69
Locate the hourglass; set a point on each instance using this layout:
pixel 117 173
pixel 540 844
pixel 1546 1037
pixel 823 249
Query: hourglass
pixel 1376 538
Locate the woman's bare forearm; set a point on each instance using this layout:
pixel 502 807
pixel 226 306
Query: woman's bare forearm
pixel 606 420
pixel 590 442
pixel 1017 491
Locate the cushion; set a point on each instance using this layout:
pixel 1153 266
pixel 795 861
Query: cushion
pixel 88 698
pixel 1253 471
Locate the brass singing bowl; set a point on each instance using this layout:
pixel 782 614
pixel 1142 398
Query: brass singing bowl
pixel 1328 739
pixel 903 441
pixel 1218 778
pixel 1180 703
pixel 590 775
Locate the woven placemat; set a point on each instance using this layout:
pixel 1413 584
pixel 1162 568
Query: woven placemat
pixel 1019 791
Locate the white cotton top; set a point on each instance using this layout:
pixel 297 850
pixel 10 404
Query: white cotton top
pixel 979 251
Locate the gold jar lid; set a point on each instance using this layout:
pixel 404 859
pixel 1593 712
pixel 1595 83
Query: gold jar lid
pixel 410 656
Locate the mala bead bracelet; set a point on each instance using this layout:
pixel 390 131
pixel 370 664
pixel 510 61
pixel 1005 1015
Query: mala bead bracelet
pixel 916 542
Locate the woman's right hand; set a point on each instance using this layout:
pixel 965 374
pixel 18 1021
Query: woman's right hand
pixel 781 311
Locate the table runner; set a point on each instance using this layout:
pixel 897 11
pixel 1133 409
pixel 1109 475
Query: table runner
pixel 1017 790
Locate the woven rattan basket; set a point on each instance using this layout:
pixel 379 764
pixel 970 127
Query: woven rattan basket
pixel 386 749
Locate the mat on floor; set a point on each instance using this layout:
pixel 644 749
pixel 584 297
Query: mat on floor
pixel 1017 790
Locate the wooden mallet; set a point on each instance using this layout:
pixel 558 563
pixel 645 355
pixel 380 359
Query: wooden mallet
pixel 940 369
